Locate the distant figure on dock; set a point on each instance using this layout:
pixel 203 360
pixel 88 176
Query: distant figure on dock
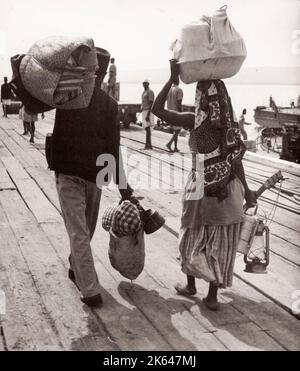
pixel 272 104
pixel 212 208
pixel 242 123
pixel 6 95
pixel 29 119
pixel 148 117
pixel 79 138
pixel 174 103
pixel 298 101
pixel 112 79
pixel 292 103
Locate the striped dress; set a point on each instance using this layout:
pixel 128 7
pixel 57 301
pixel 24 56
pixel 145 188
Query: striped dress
pixel 209 235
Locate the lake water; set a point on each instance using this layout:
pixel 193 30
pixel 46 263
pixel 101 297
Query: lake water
pixel 242 96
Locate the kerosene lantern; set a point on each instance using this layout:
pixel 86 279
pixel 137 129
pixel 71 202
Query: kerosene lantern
pixel 258 257
pixel 254 244
pixel 254 241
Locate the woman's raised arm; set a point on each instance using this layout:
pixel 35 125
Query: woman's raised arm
pixel 183 119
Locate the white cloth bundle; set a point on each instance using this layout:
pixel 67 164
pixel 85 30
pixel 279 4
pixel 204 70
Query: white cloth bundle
pixel 209 49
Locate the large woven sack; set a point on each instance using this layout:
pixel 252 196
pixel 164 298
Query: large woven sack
pixel 209 49
pixel 45 63
pixel 127 254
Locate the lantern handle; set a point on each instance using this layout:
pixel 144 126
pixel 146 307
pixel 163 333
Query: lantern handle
pixel 224 7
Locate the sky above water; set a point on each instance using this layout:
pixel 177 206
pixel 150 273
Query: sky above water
pixel 138 33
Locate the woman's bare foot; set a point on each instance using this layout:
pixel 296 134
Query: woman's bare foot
pixel 211 303
pixel 185 290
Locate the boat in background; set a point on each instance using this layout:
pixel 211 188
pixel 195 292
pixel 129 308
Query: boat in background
pixel 280 124
pixel 275 118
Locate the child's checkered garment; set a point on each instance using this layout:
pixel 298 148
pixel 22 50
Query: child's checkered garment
pixel 108 217
pixel 124 220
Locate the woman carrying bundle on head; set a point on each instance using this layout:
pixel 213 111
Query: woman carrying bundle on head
pixel 213 197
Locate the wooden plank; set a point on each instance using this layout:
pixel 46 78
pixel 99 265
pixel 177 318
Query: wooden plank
pixel 247 337
pixel 5 180
pixel 46 182
pixel 20 154
pixel 4 152
pixel 14 168
pixel 26 324
pixel 78 329
pixel 279 324
pixel 30 149
pixel 275 163
pixel 170 316
pixel 36 200
pixel 285 249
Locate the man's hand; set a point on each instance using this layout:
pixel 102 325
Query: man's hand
pixel 251 198
pixel 174 67
pixel 126 194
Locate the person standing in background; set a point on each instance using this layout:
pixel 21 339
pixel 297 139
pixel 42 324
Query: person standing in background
pixel 6 95
pixel 242 123
pixel 25 123
pixel 174 103
pixel 29 119
pixel 148 117
pixel 112 79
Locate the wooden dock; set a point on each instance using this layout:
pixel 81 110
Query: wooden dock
pixel 43 309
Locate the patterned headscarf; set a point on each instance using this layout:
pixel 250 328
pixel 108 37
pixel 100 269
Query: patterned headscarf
pixel 216 136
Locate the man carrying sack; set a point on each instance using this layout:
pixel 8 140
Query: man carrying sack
pixel 79 137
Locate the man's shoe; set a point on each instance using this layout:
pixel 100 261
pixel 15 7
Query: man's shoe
pixel 71 275
pixel 92 301
pixel 176 150
pixel 169 147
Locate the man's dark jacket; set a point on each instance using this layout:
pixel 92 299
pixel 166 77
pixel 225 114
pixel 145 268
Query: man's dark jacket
pixel 80 136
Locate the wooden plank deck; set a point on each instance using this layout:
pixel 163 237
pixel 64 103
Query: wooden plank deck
pixel 43 307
